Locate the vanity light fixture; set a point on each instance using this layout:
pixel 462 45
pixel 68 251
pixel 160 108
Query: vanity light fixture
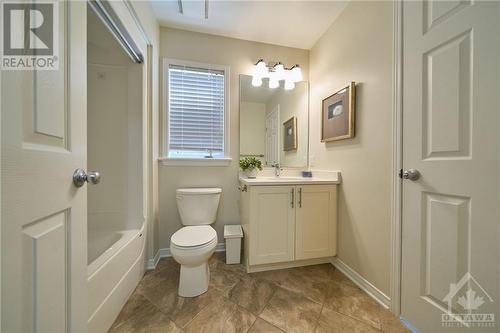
pixel 279 69
pixel 273 83
pixel 275 74
pixel 289 85
pixel 260 69
pixel 296 73
pixel 256 81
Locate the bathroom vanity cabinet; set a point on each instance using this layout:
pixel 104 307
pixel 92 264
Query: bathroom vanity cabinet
pixel 288 225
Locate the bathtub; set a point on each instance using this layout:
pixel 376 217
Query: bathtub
pixel 116 265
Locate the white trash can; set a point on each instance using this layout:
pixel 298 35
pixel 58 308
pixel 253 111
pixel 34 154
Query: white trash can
pixel 233 235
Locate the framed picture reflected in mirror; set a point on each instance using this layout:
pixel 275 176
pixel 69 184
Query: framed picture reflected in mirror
pixel 290 134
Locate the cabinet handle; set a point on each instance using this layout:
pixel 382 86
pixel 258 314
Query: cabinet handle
pixel 293 196
pixel 300 197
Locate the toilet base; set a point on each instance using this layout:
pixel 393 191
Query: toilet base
pixel 193 281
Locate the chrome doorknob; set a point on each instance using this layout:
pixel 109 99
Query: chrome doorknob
pixel 80 177
pixel 94 177
pixel 411 174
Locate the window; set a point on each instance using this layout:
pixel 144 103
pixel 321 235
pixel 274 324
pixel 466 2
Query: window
pixel 196 111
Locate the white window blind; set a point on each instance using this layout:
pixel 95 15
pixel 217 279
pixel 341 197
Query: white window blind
pixel 196 112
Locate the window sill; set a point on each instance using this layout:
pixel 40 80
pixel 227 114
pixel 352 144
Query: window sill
pixel 212 162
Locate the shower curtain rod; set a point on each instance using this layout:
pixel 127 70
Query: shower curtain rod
pixel 108 16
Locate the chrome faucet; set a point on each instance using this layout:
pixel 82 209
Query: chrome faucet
pixel 277 169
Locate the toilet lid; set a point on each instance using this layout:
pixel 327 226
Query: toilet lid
pixel 194 236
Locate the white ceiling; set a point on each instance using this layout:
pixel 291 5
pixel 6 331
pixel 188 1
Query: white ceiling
pixel 289 23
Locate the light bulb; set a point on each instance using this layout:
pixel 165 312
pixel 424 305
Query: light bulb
pixel 256 81
pixel 289 85
pixel 260 69
pixel 296 73
pixel 273 83
pixel 279 71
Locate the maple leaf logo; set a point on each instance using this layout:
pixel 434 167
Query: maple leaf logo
pixel 470 301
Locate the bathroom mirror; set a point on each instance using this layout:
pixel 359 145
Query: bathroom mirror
pixel 274 123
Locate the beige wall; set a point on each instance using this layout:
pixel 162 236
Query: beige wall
pixel 240 56
pixel 358 47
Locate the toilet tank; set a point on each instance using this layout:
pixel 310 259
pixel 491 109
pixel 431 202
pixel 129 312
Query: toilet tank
pixel 198 206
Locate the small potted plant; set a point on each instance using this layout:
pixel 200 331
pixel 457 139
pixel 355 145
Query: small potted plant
pixel 250 165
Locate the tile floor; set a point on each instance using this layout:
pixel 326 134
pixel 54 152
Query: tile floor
pixel 307 299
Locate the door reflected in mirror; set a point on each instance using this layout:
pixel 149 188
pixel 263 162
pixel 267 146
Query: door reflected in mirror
pixel 274 123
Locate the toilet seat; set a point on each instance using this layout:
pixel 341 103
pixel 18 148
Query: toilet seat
pixel 193 237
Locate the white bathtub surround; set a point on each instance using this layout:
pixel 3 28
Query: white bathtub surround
pixel 111 242
pixel 116 208
pixel 113 276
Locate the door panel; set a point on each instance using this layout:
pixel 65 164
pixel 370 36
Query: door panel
pixel 316 222
pixel 272 224
pixel 50 109
pixel 44 263
pixel 451 132
pixel 437 11
pixel 273 136
pixel 445 221
pixel 45 112
pixel 45 266
pixel 447 89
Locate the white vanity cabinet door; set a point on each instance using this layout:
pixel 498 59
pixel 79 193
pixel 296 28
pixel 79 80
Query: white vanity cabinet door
pixel 316 221
pixel 272 224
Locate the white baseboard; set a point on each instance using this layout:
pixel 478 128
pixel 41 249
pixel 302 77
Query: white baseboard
pixel 361 282
pixel 221 247
pixel 165 252
pixel 151 263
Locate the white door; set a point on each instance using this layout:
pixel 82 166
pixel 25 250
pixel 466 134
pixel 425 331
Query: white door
pixel 316 221
pixel 44 257
pixel 273 136
pixel 451 136
pixel 272 224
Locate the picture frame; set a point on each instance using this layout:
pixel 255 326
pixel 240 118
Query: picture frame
pixel 290 134
pixel 338 113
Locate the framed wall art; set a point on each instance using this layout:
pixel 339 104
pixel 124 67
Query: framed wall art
pixel 337 116
pixel 290 134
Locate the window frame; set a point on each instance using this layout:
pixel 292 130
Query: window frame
pixel 193 161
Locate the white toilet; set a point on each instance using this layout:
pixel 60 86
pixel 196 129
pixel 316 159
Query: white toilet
pixel 192 245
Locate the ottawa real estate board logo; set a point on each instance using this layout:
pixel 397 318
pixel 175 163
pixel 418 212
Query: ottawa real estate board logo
pixel 468 305
pixel 30 35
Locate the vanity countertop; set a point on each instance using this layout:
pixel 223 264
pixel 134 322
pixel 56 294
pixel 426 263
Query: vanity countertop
pixel 321 178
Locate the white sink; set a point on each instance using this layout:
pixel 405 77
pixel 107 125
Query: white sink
pixel 288 180
pixel 282 178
